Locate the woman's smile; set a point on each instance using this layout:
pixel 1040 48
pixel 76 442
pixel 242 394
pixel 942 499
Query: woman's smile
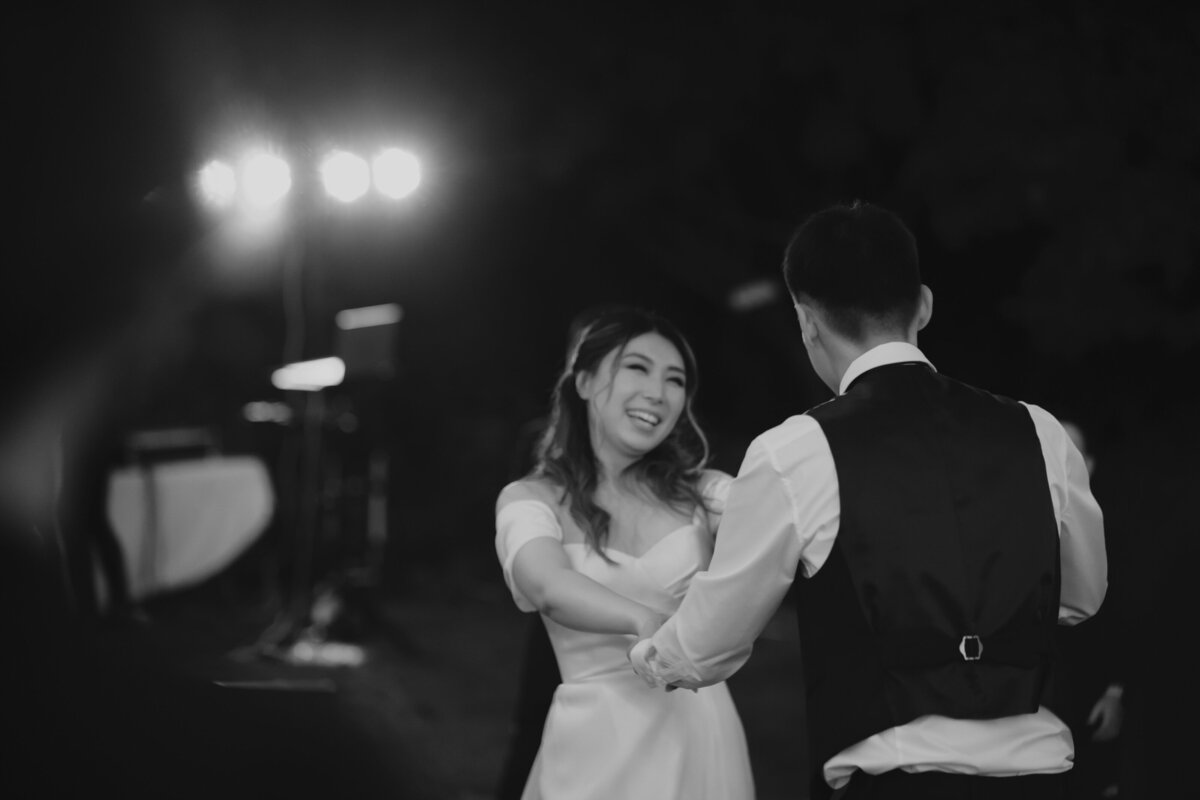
pixel 644 420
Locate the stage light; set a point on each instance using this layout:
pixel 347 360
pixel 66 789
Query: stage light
pixel 266 178
pixel 754 295
pixel 397 173
pixel 265 411
pixel 349 319
pixel 218 184
pixel 346 176
pixel 310 376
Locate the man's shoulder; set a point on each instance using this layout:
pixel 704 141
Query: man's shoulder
pixel 792 430
pixel 1045 423
pixel 1043 420
pixel 1048 427
pixel 831 407
pixel 980 392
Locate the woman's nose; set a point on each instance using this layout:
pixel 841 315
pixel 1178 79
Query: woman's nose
pixel 654 390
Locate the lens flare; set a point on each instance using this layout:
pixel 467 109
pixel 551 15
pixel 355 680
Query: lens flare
pixel 397 173
pixel 218 184
pixel 345 175
pixel 267 179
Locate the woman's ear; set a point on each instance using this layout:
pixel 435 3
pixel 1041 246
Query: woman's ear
pixel 583 384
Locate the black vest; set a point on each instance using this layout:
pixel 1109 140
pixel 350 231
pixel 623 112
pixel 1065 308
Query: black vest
pixel 941 593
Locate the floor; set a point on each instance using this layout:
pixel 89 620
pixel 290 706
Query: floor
pixel 434 699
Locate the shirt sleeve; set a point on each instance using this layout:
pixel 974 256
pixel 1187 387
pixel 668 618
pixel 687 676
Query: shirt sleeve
pixel 1084 562
pixel 781 514
pixel 517 524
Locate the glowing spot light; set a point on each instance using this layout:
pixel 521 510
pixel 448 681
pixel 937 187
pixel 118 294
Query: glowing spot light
pixel 346 176
pixel 267 178
pixel 218 184
pixel 310 376
pixel 397 173
pixel 349 319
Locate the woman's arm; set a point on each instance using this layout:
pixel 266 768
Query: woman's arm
pixel 543 573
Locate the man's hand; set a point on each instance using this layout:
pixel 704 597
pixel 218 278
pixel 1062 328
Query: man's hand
pixel 640 656
pixel 1107 715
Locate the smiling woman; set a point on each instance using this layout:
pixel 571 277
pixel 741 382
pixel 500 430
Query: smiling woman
pixel 622 408
pixel 603 540
pixel 640 388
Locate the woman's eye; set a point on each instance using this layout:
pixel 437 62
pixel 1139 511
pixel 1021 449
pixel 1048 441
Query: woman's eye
pixel 638 367
pixel 680 382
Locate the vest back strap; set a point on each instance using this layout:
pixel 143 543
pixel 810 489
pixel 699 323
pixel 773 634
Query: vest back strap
pixel 1024 647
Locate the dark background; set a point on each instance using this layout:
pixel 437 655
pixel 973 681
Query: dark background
pixel 1046 156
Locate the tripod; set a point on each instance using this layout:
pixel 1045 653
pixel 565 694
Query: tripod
pixel 335 517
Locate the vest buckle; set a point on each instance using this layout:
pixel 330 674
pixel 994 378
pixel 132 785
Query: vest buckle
pixel 971 648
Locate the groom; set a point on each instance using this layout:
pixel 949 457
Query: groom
pixel 943 532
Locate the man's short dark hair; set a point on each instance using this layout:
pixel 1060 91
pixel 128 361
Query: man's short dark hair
pixel 858 264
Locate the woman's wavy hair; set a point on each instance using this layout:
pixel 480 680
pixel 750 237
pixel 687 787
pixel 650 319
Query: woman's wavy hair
pixel 671 471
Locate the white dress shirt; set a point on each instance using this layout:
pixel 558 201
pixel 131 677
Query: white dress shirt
pixel 783 514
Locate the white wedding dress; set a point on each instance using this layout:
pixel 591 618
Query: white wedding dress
pixel 608 735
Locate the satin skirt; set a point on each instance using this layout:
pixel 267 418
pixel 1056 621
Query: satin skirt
pixel 615 737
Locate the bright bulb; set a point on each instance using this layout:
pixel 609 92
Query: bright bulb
pixel 349 319
pixel 218 184
pixel 346 176
pixel 397 173
pixel 267 179
pixel 310 376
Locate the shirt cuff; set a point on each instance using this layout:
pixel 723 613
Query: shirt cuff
pixel 667 661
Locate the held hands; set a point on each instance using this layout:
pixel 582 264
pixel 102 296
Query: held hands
pixel 1107 715
pixel 642 650
pixel 642 656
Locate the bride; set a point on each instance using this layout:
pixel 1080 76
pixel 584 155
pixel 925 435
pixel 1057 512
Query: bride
pixel 603 540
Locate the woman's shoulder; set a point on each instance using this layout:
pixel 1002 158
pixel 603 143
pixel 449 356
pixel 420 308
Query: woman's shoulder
pixel 534 489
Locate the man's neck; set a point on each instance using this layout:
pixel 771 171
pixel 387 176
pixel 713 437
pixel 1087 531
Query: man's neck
pixel 846 351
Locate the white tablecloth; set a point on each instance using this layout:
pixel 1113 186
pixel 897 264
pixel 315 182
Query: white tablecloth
pixel 205 513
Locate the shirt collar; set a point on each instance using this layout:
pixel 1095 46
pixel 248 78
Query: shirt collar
pixel 881 356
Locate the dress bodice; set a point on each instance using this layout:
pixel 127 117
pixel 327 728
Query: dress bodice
pixel 658 578
pixel 607 733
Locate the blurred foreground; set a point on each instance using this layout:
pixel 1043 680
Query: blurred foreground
pixel 428 714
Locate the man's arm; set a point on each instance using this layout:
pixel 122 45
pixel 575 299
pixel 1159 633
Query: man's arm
pixel 1081 544
pixel 1080 522
pixel 782 508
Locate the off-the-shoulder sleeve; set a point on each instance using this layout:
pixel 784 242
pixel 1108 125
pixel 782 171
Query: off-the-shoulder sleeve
pixel 517 524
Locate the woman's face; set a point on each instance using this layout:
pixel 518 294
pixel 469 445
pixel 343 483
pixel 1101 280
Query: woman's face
pixel 636 395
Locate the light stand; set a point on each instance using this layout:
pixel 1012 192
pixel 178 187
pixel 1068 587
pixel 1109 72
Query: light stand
pixel 256 185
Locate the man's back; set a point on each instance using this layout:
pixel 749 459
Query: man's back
pixel 940 595
pixel 923 521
